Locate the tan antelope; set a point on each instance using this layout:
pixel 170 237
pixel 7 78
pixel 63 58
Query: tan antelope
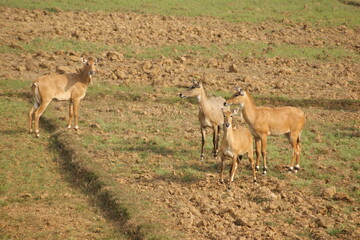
pixel 71 86
pixel 210 115
pixel 236 142
pixel 265 121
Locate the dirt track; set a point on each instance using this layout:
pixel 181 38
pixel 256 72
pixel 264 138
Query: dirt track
pixel 203 210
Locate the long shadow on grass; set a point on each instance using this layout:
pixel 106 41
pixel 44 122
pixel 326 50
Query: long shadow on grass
pixel 353 3
pixel 22 94
pixel 13 132
pixel 80 172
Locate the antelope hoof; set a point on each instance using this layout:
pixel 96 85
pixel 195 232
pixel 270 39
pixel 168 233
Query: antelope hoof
pixel 265 171
pixel 76 128
pixel 37 135
pixel 290 170
pixel 201 157
pixel 68 127
pixel 297 167
pixel 257 168
pixel 255 181
pixel 30 131
pixel 222 181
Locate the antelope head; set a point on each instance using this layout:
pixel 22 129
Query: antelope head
pixel 237 98
pixel 228 117
pixel 193 91
pixel 90 64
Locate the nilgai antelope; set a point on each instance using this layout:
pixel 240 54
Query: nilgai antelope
pixel 265 121
pixel 210 115
pixel 236 142
pixel 70 86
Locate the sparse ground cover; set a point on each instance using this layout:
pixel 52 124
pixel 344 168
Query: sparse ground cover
pixel 38 199
pixel 136 156
pixel 322 12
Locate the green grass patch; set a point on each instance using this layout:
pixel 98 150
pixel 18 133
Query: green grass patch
pixel 335 231
pixel 31 177
pixel 322 12
pixel 190 175
pixel 9 85
pixel 237 49
pixel 56 44
pixel 302 183
pixel 312 53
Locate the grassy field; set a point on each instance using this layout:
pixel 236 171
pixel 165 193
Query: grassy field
pixel 152 136
pixel 323 12
pixel 147 140
pixel 130 132
pixel 35 190
pixel 238 49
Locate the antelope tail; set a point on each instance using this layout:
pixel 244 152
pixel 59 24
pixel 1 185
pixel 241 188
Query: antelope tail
pixel 36 95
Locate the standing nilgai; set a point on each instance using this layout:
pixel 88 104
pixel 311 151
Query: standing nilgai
pixel 236 142
pixel 210 114
pixel 70 86
pixel 264 121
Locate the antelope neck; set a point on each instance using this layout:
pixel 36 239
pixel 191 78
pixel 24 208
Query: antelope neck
pixel 84 76
pixel 228 132
pixel 202 99
pixel 249 110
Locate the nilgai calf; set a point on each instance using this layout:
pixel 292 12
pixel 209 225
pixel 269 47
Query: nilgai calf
pixel 236 142
pixel 71 86
pixel 210 115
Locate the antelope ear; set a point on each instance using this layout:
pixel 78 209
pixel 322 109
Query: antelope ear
pixel 236 111
pixel 242 92
pixel 97 60
pixel 237 89
pixel 194 81
pixel 83 60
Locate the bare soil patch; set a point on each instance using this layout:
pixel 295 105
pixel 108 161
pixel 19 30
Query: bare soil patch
pixel 295 78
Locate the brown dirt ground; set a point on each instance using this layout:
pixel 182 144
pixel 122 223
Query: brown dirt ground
pixel 297 78
pixel 203 210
